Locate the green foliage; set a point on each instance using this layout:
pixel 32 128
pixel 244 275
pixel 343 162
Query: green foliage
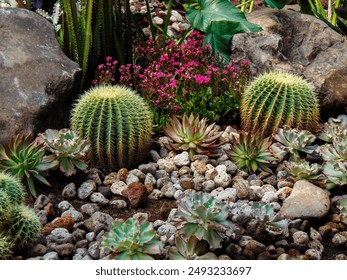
pixel 201 215
pixel 192 135
pixel 251 153
pixel 336 173
pixel 190 249
pixel 248 5
pixel 117 124
pixel 5 208
pixel 276 99
pixel 24 226
pixel 296 141
pixel 335 152
pixel 220 20
pixel 26 160
pixel 67 148
pixel 130 240
pixel 269 220
pixel 6 247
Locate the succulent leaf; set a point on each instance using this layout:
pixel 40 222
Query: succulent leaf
pixel 192 135
pixel 336 173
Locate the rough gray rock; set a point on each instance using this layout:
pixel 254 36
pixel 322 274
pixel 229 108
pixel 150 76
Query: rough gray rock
pixel 98 221
pixel 316 52
pixel 59 236
pixel 38 82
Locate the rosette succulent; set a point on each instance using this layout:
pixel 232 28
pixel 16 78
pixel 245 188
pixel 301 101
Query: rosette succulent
pixel 67 148
pixel 201 215
pixel 302 170
pixel 275 223
pixel 191 249
pixel 251 153
pixel 192 135
pixel 130 240
pixel 334 128
pixel 296 141
pixel 26 160
pixel 335 151
pixel 336 173
pixel 342 205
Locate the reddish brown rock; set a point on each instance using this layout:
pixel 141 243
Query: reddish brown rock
pixel 136 193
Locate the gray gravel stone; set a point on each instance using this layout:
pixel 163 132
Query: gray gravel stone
pixel 76 215
pixel 42 217
pixel 300 237
pixel 131 178
pixel 149 168
pixel 150 179
pixel 168 190
pixel 65 250
pixel 41 201
pixel 118 204
pixel 314 234
pixel 208 186
pixel 51 256
pixel 69 191
pixel 242 188
pixel 86 189
pixel 98 221
pixel 338 240
pixel 154 155
pixel 167 229
pixel 118 187
pixel 94 250
pixel 156 195
pixel 313 254
pixel 181 159
pixel 90 208
pixel 269 197
pixel 227 195
pixel 99 198
pixel 64 206
pixel 59 236
pixel 90 236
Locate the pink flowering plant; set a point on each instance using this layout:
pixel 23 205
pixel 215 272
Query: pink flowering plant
pixel 106 72
pixel 186 78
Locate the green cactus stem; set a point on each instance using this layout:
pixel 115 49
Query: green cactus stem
pixel 117 123
pixel 13 188
pixel 276 99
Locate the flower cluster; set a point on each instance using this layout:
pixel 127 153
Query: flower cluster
pixel 185 78
pixel 106 72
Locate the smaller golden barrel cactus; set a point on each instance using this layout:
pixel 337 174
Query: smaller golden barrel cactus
pixel 117 123
pixel 276 99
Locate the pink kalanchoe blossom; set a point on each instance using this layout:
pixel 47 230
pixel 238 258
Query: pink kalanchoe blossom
pixel 202 80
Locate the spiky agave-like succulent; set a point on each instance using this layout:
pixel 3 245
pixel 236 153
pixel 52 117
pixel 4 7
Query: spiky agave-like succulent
pixel 192 135
pixel 336 173
pixel 25 160
pixel 334 128
pixel 191 249
pixel 276 99
pixel 116 122
pixel 130 240
pixel 296 141
pixel 67 148
pixel 302 170
pixel 275 223
pixel 200 214
pixel 251 153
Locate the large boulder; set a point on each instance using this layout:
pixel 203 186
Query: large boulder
pixel 298 43
pixel 38 82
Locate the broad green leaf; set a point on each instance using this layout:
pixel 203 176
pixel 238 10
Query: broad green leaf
pixel 219 45
pixel 219 17
pixel 275 4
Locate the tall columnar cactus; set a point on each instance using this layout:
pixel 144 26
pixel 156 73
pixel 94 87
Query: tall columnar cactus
pixel 276 99
pixel 117 123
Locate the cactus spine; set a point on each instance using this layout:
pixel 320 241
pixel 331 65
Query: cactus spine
pixel 276 99
pixel 13 188
pixel 117 123
pixel 5 247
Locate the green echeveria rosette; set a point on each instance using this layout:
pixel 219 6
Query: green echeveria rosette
pixel 24 226
pixel 116 122
pixel 201 215
pixel 130 240
pixel 276 99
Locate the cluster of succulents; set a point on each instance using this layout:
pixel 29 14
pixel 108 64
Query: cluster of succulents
pixel 28 160
pixel 67 149
pixel 19 225
pixel 251 153
pixel 192 135
pixel 201 215
pixel 331 170
pixel 117 124
pixel 132 240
